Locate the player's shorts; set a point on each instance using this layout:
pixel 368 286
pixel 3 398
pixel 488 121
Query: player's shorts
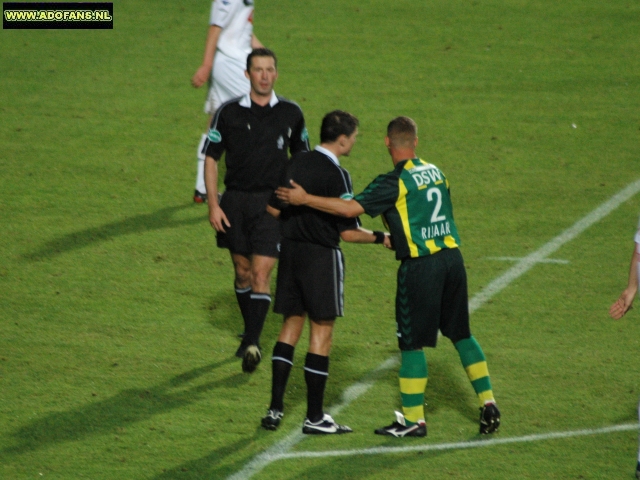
pixel 252 230
pixel 432 295
pixel 227 81
pixel 310 280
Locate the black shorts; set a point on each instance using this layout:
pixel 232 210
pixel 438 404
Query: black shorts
pixel 252 230
pixel 310 280
pixel 432 295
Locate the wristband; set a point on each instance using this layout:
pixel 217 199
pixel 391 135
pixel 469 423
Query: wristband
pixel 379 236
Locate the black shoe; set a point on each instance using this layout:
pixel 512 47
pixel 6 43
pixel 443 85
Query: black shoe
pixel 251 358
pixel 199 197
pixel 241 349
pixel 489 418
pixel 325 426
pixel 638 470
pixel 399 428
pixel 272 420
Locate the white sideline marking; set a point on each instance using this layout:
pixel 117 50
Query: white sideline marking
pixel 280 449
pixel 517 259
pixel 458 445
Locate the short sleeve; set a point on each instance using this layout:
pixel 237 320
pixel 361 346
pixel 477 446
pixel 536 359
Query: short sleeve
pixel 221 13
pixel 379 196
pixel 299 137
pixel 214 146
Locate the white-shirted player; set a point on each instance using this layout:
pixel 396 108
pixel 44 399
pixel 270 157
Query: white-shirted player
pixel 229 41
pixel 625 301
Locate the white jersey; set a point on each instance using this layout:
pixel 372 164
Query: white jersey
pixel 235 17
pixel 637 238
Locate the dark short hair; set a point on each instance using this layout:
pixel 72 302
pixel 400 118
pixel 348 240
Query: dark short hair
pixel 261 52
pixel 402 131
pixel 337 123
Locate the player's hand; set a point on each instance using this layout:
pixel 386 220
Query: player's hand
pixel 218 219
pixel 200 77
pixel 622 305
pixel 296 195
pixel 388 242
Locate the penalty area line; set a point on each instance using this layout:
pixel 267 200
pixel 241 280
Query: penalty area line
pixel 458 445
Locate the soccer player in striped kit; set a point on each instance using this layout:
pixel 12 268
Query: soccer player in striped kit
pixel 431 285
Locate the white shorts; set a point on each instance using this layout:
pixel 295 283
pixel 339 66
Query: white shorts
pixel 227 82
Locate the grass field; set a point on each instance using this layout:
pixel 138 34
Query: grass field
pixel 118 320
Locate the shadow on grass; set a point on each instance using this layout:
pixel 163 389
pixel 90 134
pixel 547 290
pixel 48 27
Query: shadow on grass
pixel 125 408
pixel 209 465
pixel 140 223
pixel 445 389
pixel 360 466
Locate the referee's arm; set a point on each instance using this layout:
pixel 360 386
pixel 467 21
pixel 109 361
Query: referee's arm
pixel 217 218
pixel 296 195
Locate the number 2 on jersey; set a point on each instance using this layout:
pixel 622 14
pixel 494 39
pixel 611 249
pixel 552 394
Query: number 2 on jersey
pixel 434 216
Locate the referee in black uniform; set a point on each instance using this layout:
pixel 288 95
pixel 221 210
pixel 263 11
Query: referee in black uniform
pixel 255 132
pixel 311 269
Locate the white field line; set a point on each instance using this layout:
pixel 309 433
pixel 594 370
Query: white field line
pixel 459 445
pixel 517 259
pixel 283 447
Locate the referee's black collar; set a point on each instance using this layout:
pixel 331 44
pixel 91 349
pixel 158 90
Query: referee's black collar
pixel 329 154
pixel 246 100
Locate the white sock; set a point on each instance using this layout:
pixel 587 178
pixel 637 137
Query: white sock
pixel 200 186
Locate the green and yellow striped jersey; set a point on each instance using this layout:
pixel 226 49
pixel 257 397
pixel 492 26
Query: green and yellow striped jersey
pixel 415 205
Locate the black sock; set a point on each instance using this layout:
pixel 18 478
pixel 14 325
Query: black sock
pixel 258 308
pixel 316 371
pixel 281 363
pixel 243 295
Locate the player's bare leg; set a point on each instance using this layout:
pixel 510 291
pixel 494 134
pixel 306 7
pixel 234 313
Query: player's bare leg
pixel 291 330
pixel 321 337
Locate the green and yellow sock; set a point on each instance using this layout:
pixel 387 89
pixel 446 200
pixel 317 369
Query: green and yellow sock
pixel 413 382
pixel 475 364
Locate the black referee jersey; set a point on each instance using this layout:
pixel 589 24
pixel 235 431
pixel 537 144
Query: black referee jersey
pixel 319 175
pixel 256 140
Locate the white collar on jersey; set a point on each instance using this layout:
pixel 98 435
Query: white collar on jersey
pixel 329 154
pixel 246 100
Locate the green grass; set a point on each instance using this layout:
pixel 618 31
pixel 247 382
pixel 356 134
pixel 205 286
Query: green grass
pixel 118 322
